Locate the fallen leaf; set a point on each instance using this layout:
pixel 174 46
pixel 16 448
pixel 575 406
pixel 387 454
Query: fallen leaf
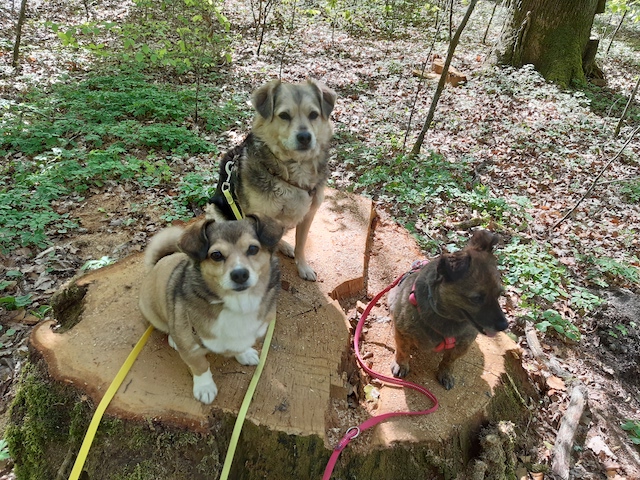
pixel 556 383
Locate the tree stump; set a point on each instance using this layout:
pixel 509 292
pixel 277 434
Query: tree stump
pixel 310 392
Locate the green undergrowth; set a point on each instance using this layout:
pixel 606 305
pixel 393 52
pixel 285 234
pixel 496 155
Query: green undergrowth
pixel 122 127
pixel 427 194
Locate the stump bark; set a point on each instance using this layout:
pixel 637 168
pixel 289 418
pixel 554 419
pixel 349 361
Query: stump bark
pixel 310 392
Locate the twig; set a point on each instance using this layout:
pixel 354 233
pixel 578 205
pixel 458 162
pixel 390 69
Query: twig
pixel 595 181
pixel 621 180
pixel 567 432
pixel 624 112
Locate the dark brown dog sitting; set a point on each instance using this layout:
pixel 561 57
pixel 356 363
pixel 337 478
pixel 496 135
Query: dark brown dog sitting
pixel 443 304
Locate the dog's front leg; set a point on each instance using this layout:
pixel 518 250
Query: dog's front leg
pixel 302 232
pixel 195 356
pixel 445 369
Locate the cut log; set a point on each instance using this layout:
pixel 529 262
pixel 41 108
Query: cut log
pixel 154 428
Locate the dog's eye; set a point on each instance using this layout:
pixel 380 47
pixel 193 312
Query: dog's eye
pixel 477 298
pixel 313 115
pixel 253 250
pixel 216 256
pixel 285 116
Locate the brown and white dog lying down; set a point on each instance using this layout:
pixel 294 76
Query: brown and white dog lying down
pixel 281 168
pixel 212 286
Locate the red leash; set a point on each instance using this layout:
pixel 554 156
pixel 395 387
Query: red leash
pixel 353 432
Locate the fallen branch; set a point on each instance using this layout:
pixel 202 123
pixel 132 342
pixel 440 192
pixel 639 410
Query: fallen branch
pixel 566 433
pixel 595 181
pixel 550 362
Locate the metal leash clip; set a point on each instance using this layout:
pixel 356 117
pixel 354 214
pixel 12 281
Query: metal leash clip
pixel 226 190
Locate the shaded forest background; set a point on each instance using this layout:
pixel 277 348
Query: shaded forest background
pixel 114 114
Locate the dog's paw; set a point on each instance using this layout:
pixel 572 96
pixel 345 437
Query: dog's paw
pixel 286 249
pixel 306 272
pixel 446 379
pixel 204 388
pixel 172 344
pixel 248 357
pixel 399 371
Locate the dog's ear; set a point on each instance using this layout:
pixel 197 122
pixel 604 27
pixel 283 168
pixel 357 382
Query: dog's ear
pixel 484 240
pixel 194 241
pixel 454 266
pixel 264 99
pixel 326 97
pixel 268 230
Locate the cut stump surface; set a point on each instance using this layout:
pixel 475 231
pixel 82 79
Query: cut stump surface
pixel 310 371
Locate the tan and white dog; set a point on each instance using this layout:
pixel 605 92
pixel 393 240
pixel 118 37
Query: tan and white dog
pixel 281 168
pixel 212 287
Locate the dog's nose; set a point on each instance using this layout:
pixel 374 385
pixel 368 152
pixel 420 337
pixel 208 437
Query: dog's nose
pixel 304 138
pixel 239 275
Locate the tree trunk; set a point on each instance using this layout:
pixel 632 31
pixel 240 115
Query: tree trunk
pixel 550 34
pixel 16 45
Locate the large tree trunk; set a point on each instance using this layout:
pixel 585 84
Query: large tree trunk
pixel 550 34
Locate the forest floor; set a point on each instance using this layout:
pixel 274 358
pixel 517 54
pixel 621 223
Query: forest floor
pixel 515 154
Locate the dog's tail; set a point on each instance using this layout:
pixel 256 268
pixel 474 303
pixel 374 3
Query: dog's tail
pixel 162 244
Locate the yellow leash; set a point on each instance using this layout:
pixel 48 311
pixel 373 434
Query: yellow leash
pixel 248 396
pixel 104 403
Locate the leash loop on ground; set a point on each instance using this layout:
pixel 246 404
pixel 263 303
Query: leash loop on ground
pixel 348 436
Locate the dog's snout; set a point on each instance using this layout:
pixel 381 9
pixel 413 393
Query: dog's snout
pixel 304 138
pixel 239 275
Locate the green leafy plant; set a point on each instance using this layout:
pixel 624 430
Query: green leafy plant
pixel 194 191
pixel 4 450
pixel 539 279
pixel 15 303
pixel 632 427
pixel 82 135
pixel 602 270
pixel 533 272
pixel 552 319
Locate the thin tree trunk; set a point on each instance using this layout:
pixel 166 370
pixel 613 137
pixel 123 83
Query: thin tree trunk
pixel 486 32
pixel 443 78
pixel 439 22
pixel 616 31
pixel 16 46
pixel 624 112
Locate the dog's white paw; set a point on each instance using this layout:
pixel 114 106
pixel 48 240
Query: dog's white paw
pixel 204 388
pixel 306 272
pixel 286 249
pixel 248 357
pixel 172 344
